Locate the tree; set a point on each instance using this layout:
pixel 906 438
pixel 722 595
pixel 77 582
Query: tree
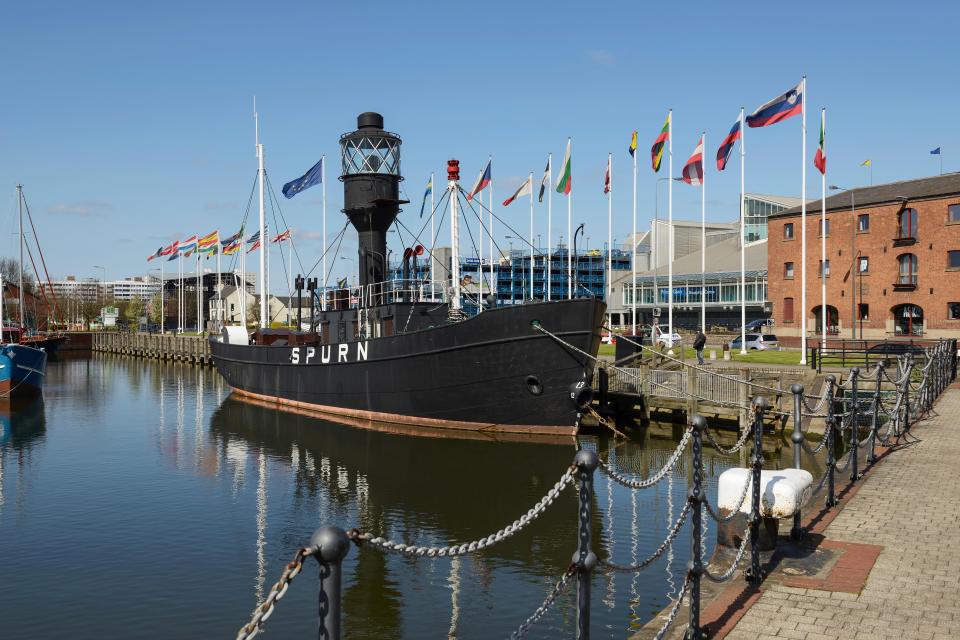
pixel 10 268
pixel 154 309
pixel 135 310
pixel 253 312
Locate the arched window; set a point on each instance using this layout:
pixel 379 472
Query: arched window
pixel 907 224
pixel 908 270
pixel 907 320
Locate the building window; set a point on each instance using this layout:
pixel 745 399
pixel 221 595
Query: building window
pixel 788 270
pixel 953 310
pixel 824 268
pixel 863 264
pixel 788 309
pixel 863 223
pixel 907 320
pixel 824 228
pixel 788 231
pixel 908 269
pixel 953 259
pixel 953 213
pixel 863 312
pixel 907 224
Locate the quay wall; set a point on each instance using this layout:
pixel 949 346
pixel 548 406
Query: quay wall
pixel 192 349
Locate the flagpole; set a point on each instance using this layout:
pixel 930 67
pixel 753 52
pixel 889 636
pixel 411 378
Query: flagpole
pixel 803 225
pixel 743 245
pixel 549 227
pixel 532 256
pixel 480 243
pixel 670 228
pixel 180 292
pixel 703 236
pixel 199 297
pixel 492 283
pixel 323 179
pixel 569 229
pixel 610 244
pixel 264 286
pixel 633 251
pixel 824 316
pixel 433 244
pixel 219 283
pixel 162 283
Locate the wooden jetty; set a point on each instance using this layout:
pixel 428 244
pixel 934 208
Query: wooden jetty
pixel 191 349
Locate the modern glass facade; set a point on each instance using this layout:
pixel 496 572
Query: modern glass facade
pixel 757 211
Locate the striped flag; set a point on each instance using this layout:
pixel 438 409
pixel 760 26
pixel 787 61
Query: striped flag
pixel 723 153
pixel 693 170
pixel 525 189
pixel 820 159
pixel 425 194
pixel 171 248
pixel 231 249
pixel 483 180
pixel 188 245
pixel 545 181
pixel 780 108
pixel 156 255
pixel 565 179
pixel 208 240
pixel 633 144
pixel 606 179
pixel 656 151
pixel 234 238
pixel 256 245
pixel 281 237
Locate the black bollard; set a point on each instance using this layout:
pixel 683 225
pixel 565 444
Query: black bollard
pixel 854 422
pixel 332 546
pixel 586 462
pixel 754 573
pixel 695 497
pixel 831 442
pixel 797 438
pixel 875 419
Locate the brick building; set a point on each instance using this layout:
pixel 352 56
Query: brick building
pixel 892 262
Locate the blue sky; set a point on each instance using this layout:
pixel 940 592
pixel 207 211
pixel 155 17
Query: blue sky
pixel 130 124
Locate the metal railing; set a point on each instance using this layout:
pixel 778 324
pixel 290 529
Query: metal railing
pixel 916 385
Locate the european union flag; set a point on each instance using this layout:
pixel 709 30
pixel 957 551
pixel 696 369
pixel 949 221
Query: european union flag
pixel 309 179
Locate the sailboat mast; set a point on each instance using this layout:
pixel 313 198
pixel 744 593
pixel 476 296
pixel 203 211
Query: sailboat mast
pixel 263 231
pixel 20 272
pixel 453 176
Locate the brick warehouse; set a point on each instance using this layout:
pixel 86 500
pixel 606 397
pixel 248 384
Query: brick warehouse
pixel 892 267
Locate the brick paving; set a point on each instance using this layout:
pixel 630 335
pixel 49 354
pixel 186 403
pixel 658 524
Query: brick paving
pixel 909 508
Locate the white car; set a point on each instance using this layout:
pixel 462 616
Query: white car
pixel 669 341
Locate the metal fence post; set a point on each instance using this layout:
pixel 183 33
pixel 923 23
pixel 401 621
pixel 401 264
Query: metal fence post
pixel 854 422
pixel 875 419
pixel 831 442
pixel 754 573
pixel 797 438
pixel 332 546
pixel 586 462
pixel 695 497
pixel 906 394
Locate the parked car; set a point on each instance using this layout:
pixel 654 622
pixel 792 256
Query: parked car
pixel 756 341
pixel 669 341
pixel 759 324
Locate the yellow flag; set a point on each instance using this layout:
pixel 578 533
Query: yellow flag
pixel 866 163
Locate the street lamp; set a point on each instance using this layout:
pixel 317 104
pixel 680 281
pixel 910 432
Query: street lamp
pixel 513 298
pixel 103 282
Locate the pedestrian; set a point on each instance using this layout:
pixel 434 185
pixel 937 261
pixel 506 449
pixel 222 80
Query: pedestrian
pixel 698 344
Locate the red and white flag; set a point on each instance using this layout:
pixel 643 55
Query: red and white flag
pixel 281 237
pixel 606 179
pixel 693 170
pixel 526 189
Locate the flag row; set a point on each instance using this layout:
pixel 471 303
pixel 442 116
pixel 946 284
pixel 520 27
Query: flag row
pixel 211 245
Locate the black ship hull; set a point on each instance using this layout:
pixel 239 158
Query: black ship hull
pixel 493 372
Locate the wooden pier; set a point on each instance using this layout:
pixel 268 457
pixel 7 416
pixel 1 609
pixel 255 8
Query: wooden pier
pixel 191 349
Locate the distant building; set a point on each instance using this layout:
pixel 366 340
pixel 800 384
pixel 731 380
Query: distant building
pixel 758 208
pixel 892 265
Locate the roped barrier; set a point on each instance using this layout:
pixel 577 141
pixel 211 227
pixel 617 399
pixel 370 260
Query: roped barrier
pixel 916 389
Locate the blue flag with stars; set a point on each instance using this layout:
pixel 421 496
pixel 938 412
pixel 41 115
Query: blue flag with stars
pixel 307 180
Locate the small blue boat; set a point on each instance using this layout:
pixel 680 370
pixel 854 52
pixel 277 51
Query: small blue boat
pixel 22 370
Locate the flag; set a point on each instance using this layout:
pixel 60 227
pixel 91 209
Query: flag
pixel 545 181
pixel 172 248
pixel 606 179
pixel 935 152
pixel 866 163
pixel 281 237
pixel 254 238
pixel 656 151
pixel 157 254
pixel 780 108
pixel 231 249
pixel 211 251
pixel 208 240
pixel 564 179
pixel 174 256
pixel 820 159
pixel 188 245
pixel 307 180
pixel 633 144
pixel 190 251
pixel 482 181
pixel 232 239
pixel 425 194
pixel 526 189
pixel 256 245
pixel 693 170
pixel 723 153
pixel 342 283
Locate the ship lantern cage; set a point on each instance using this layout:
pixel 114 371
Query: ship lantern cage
pixel 370 150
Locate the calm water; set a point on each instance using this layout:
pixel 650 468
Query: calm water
pixel 138 501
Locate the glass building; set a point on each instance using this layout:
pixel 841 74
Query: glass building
pixel 757 209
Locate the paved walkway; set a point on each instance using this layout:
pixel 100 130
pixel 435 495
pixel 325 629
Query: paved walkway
pixel 910 505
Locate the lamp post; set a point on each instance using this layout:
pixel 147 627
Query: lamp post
pixel 856 265
pixel 103 283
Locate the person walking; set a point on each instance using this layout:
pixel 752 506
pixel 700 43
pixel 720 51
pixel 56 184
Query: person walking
pixel 698 344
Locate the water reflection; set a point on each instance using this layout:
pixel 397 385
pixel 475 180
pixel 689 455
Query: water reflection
pixel 23 428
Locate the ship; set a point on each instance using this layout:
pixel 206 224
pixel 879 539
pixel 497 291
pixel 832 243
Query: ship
pixel 406 352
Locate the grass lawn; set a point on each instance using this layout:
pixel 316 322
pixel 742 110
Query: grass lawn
pixel 766 357
pixel 607 349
